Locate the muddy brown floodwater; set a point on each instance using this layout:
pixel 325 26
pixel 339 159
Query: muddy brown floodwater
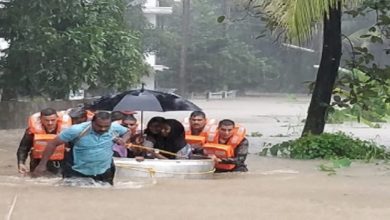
pixel 273 188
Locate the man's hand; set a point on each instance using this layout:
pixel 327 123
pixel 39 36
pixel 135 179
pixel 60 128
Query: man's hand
pixel 139 159
pixel 22 168
pixel 39 170
pixel 196 146
pixel 215 159
pixel 120 141
pixel 139 140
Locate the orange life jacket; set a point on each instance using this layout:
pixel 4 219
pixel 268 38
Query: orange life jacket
pixel 213 147
pixel 194 139
pixel 41 138
pixel 39 144
pixel 35 125
pixel 201 138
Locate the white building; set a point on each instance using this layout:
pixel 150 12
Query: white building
pixel 151 10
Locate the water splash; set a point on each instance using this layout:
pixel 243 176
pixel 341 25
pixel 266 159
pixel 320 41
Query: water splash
pixel 17 181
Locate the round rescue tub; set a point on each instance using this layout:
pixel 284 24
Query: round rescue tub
pixel 129 167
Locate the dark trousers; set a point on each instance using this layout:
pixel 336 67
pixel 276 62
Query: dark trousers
pixel 107 176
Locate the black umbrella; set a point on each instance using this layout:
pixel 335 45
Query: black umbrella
pixel 144 100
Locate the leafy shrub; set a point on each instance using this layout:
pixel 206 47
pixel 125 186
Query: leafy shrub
pixel 328 146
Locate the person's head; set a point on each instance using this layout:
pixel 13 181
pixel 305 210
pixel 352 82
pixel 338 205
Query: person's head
pixel 129 121
pixel 49 119
pixel 197 120
pixel 172 128
pixel 101 122
pixel 166 129
pixel 154 125
pixel 116 115
pixel 78 115
pixel 225 128
pixel 174 135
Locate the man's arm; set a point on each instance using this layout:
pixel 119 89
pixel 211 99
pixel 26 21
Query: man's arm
pixel 23 151
pixel 49 150
pixel 241 152
pixel 126 137
pixel 125 134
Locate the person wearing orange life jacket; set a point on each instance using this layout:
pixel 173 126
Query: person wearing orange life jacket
pixel 43 126
pixel 78 115
pixel 197 130
pixel 198 124
pixel 229 144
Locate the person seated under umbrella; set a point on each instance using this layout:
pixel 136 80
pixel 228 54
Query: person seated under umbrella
pixel 173 140
pixel 150 138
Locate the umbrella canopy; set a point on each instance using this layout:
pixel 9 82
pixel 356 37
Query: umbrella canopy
pixel 144 100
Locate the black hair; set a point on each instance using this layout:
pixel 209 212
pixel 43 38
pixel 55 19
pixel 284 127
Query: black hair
pixel 175 140
pixel 102 116
pixel 226 122
pixel 48 112
pixel 197 113
pixel 129 117
pixel 77 112
pixel 116 115
pixel 156 119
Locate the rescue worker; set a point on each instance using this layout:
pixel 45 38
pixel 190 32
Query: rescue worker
pixel 197 130
pixel 43 127
pixel 198 124
pixel 78 115
pixel 229 144
pixel 91 153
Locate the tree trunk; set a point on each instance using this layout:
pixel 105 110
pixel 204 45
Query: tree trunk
pixel 327 73
pixel 183 50
pixel 226 13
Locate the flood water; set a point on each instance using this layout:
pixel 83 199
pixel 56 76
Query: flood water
pixel 274 188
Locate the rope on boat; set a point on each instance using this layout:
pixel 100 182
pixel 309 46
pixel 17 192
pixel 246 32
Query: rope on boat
pixel 152 171
pixel 151 149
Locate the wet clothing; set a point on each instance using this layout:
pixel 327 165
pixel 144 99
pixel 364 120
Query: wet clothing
pixel 25 146
pixel 175 141
pixel 91 153
pixel 107 176
pixel 240 153
pixel 120 150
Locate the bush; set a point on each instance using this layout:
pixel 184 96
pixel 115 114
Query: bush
pixel 329 146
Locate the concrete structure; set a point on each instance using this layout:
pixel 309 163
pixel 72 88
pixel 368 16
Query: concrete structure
pixel 151 10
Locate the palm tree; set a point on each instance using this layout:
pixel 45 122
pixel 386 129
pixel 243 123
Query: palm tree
pixel 297 20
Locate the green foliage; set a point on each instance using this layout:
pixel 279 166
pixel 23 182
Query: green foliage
pixel 335 164
pixel 58 46
pixel 328 146
pixel 364 92
pixel 222 54
pixel 296 18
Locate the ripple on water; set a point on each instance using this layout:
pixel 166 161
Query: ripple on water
pixel 75 182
